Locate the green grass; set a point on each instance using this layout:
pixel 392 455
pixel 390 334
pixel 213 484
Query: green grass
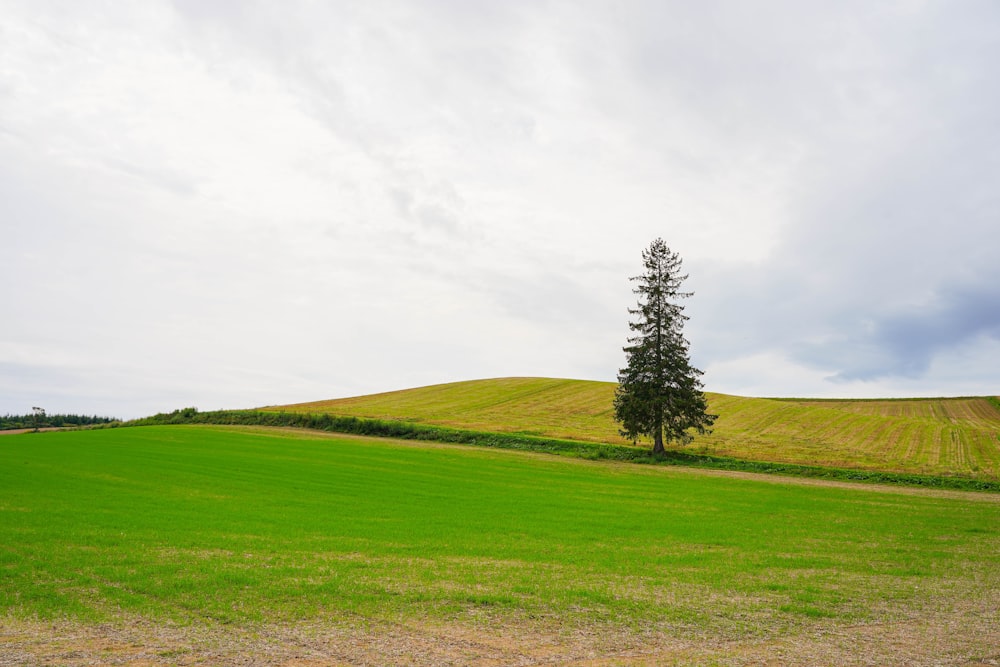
pixel 942 436
pixel 240 526
pixel 383 428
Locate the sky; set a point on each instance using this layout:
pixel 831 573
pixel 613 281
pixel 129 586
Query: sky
pixel 231 204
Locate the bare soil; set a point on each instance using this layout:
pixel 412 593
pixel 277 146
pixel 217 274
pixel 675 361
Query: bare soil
pixel 965 634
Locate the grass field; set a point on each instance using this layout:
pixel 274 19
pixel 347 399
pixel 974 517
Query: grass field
pixel 943 436
pixel 210 542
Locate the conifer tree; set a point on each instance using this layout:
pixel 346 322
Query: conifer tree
pixel 659 392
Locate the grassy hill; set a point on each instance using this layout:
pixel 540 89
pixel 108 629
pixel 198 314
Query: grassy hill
pixel 935 436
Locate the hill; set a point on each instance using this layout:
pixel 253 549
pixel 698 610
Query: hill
pixel 934 436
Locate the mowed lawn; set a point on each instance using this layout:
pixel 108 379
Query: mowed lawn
pixel 241 526
pixel 937 436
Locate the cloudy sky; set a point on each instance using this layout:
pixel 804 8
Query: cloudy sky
pixel 231 204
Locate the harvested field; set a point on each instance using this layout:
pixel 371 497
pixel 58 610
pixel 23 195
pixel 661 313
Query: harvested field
pixel 940 436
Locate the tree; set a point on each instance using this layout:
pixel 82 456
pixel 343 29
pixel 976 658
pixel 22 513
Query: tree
pixel 37 417
pixel 659 392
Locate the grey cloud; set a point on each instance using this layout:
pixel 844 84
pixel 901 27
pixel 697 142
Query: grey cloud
pixel 430 211
pixel 543 297
pixel 887 259
pixel 904 343
pixel 838 325
pixel 176 182
pixel 436 216
pixel 403 201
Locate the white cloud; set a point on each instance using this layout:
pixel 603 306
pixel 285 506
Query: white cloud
pixel 234 204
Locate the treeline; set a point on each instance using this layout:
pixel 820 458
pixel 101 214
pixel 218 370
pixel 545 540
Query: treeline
pixel 584 450
pixel 8 422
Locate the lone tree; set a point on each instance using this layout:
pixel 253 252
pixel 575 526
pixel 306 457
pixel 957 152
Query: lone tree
pixel 659 392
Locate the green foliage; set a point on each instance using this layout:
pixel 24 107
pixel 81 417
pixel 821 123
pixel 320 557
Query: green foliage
pixel 659 392
pixel 242 527
pixel 45 420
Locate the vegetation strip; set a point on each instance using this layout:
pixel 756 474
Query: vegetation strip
pixel 585 450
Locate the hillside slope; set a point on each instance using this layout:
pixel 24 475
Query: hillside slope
pixel 943 436
pixel 571 409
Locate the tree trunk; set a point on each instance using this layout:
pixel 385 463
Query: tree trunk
pixel 658 442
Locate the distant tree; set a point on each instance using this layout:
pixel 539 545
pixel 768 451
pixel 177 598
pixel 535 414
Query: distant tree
pixel 37 417
pixel 659 392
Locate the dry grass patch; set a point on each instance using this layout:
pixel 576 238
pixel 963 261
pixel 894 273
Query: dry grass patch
pixel 963 635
